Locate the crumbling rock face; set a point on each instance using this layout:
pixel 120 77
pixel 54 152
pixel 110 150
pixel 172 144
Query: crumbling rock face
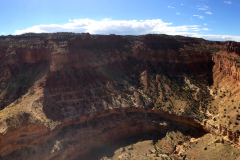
pixel 227 63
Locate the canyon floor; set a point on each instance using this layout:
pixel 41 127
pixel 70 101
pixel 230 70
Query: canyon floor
pixel 81 96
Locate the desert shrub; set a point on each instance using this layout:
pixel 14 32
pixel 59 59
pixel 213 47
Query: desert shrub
pixel 237 116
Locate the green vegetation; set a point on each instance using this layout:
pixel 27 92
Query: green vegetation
pixel 202 48
pixel 237 116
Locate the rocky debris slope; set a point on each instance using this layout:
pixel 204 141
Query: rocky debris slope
pixel 224 106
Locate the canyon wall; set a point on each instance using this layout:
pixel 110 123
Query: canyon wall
pixel 227 61
pixel 108 49
pixel 76 137
pixel 81 91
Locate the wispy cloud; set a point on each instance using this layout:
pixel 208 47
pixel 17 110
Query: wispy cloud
pixel 178 13
pixel 205 29
pixel 205 24
pixel 228 2
pixel 202 7
pixel 181 4
pixel 201 17
pixel 126 27
pixel 170 7
pixel 208 12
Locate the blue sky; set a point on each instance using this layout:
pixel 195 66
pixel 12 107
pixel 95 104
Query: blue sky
pixel 208 19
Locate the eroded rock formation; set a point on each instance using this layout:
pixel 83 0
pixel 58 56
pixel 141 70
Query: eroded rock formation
pixel 219 130
pixel 227 61
pixel 63 94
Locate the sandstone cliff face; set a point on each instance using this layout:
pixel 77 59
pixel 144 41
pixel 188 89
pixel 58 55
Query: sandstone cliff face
pixel 82 91
pixel 34 55
pixel 225 91
pixel 173 56
pixel 227 61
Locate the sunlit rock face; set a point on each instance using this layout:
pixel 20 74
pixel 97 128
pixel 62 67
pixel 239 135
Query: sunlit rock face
pixel 63 94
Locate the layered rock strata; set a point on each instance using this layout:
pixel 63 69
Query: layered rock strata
pixel 227 61
pixel 76 137
pixel 75 92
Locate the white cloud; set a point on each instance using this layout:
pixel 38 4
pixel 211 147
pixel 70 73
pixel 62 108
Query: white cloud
pixel 208 12
pixel 202 7
pixel 205 24
pixel 108 26
pixel 205 29
pixel 126 27
pixel 201 17
pixel 170 7
pixel 228 2
pixel 178 13
pixel 70 20
pixel 214 37
pixel 181 4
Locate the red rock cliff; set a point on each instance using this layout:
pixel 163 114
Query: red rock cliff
pixel 80 91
